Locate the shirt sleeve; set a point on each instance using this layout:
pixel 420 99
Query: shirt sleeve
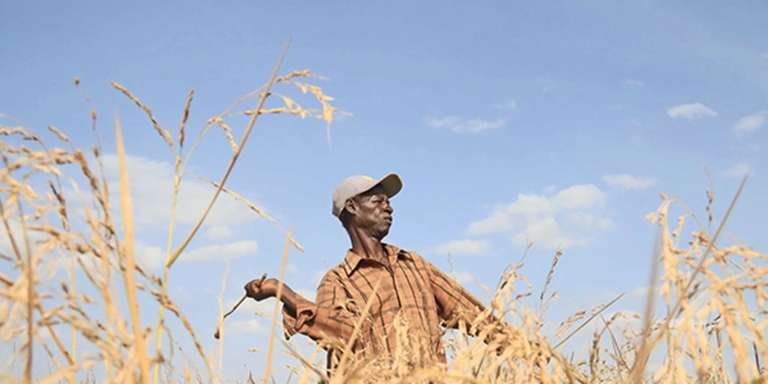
pixel 332 315
pixel 453 301
pixel 456 305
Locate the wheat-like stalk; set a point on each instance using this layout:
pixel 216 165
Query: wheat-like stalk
pixel 42 224
pixel 57 220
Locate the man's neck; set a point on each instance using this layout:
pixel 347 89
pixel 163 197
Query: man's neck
pixel 369 248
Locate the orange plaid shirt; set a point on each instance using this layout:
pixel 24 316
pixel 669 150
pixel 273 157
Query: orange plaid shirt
pixel 426 297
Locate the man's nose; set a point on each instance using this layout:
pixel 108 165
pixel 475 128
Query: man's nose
pixel 389 208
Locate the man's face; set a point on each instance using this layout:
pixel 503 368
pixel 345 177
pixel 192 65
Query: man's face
pixel 373 212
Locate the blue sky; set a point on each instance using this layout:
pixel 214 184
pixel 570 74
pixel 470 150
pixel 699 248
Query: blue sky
pixel 547 122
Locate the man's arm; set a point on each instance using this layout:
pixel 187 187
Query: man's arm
pixel 331 317
pixel 260 290
pixel 457 305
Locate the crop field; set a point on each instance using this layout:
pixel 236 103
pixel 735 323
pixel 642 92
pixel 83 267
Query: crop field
pixel 70 284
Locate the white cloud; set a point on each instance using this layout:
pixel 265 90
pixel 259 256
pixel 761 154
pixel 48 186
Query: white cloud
pixel 152 193
pixel 246 326
pixel 509 105
pixel 642 292
pixel 147 256
pixel 633 83
pixel 459 125
pixel 218 232
pixel 498 221
pixel 561 220
pixel 548 85
pixel 579 196
pixel 463 247
pixel 587 220
pixel 739 170
pixel 748 124
pixel 463 277
pixel 181 294
pixel 547 232
pixel 444 122
pixel 691 111
pixel 626 182
pixel 6 247
pixel 221 251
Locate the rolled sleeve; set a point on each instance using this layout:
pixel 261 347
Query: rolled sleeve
pixel 332 316
pixel 293 325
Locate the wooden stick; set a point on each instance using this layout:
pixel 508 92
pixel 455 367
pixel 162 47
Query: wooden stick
pixel 221 323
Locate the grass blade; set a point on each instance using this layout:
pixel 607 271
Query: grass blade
pixel 128 273
pixel 232 162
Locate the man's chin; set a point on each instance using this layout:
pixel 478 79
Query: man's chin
pixel 383 233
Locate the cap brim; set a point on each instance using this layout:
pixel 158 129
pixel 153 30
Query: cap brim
pixel 391 183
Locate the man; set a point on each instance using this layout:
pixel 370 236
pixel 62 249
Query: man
pixel 391 302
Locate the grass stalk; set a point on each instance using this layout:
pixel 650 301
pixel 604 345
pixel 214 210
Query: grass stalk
pixel 30 317
pixel 219 327
pixel 166 267
pixel 93 244
pixel 232 162
pixel 127 252
pixel 690 281
pixel 271 348
pixel 636 373
pixel 714 329
pixel 178 171
pixel 29 272
pixel 179 167
pixel 26 265
pixel 584 324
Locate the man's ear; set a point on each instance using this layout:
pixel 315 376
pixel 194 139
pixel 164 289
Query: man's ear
pixel 350 206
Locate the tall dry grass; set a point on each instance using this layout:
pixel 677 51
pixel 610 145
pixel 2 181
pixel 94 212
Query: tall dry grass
pixel 705 318
pixel 705 322
pixel 59 216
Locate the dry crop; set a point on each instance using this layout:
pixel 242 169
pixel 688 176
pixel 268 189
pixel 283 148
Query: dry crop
pixel 59 220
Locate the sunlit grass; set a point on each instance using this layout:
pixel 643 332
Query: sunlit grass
pixel 712 328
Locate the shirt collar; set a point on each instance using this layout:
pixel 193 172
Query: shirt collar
pixel 352 260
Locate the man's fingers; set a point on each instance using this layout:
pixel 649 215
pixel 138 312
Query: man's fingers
pixel 258 282
pixel 254 285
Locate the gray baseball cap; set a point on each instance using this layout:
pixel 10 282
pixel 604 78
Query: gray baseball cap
pixel 355 185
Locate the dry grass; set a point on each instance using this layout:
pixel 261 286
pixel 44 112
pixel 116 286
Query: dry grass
pixel 712 328
pixel 58 221
pixel 58 218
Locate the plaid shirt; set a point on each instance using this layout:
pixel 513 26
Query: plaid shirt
pixel 414 293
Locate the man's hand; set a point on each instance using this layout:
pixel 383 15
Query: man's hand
pixel 261 289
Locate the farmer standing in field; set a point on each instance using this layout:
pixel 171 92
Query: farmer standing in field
pixel 407 297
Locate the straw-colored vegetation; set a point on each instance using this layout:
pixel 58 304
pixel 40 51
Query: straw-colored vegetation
pixel 59 218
